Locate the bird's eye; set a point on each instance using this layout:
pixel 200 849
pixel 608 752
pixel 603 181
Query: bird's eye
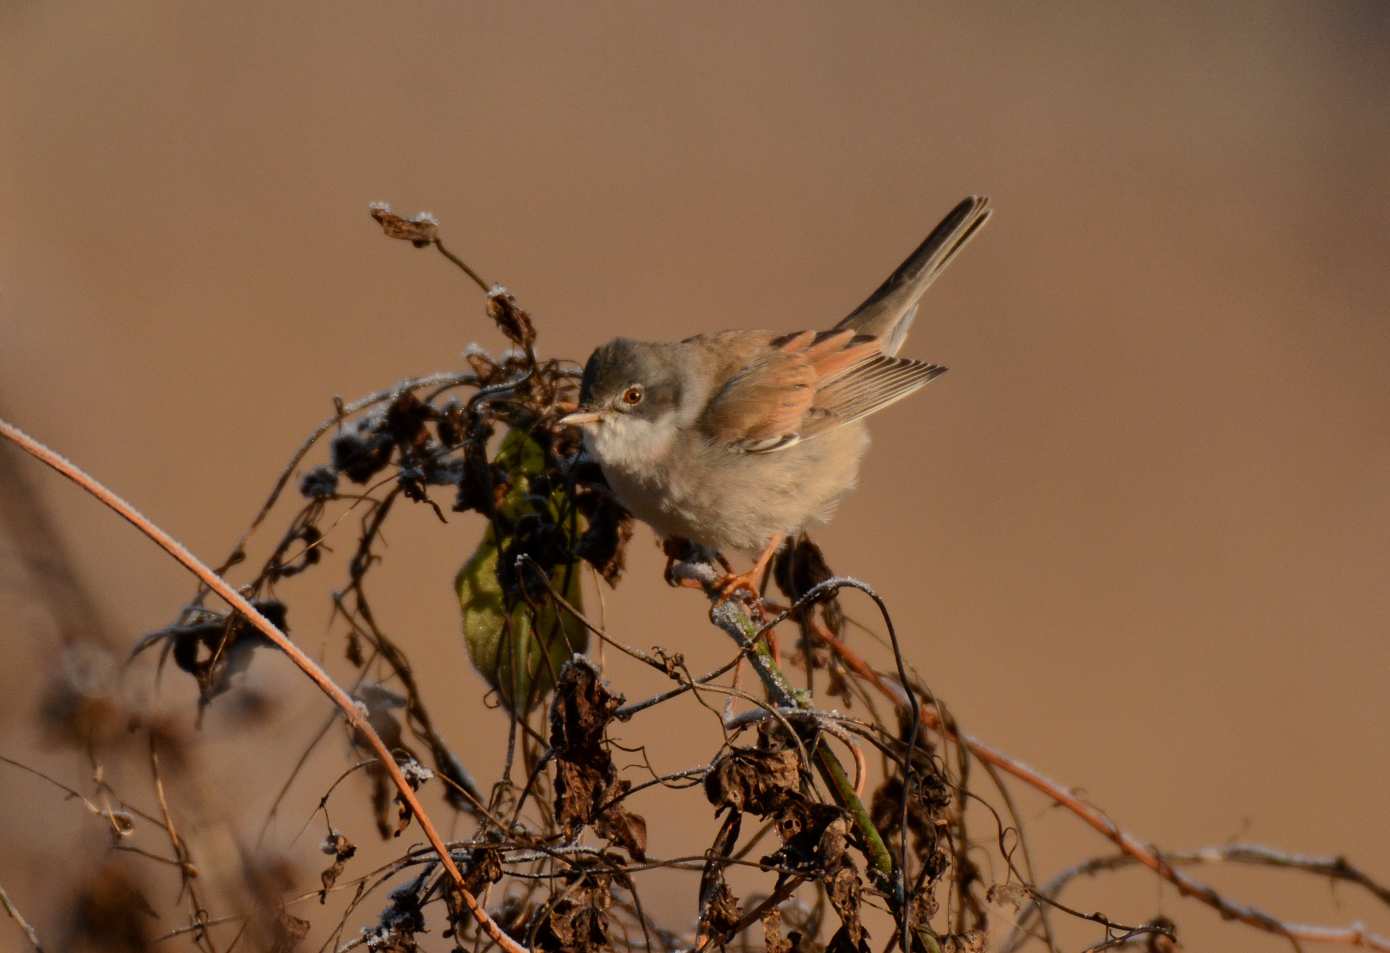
pixel 632 396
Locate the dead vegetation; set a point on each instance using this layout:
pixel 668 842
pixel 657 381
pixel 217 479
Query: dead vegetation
pixel 556 850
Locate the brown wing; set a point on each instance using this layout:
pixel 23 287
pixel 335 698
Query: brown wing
pixel 806 383
pixel 865 388
pixel 762 403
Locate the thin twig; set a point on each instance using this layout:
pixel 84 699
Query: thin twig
pixel 1354 935
pixel 15 915
pixel 355 717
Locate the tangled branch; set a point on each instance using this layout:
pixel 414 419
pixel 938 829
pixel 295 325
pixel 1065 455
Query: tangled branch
pixel 525 879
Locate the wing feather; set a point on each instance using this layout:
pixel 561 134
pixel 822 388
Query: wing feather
pixel 799 385
pixel 866 388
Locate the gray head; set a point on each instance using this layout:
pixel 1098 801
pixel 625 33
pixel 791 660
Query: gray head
pixel 629 400
pixel 631 378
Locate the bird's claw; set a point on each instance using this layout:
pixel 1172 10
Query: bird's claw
pixel 731 584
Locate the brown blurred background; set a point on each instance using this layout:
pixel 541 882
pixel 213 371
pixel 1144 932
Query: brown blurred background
pixel 1138 537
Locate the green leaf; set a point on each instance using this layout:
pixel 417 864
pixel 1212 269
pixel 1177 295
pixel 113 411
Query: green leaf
pixel 517 648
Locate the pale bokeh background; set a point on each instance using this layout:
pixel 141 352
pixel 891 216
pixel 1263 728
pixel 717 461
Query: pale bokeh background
pixel 1139 536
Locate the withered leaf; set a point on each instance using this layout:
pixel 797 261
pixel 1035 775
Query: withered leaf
pixel 406 417
pixel 604 544
pixel 289 932
pixel 511 320
pixel 217 647
pixel 396 927
pixel 722 911
pixel 578 922
pixel 393 939
pixel 484 867
pixel 971 942
pixel 773 940
pixel 109 905
pixel 814 837
pixel 1160 942
pixel 926 812
pixel 579 792
pixel 1010 894
pixel 717 903
pixel 341 850
pixel 842 942
pixel 585 778
pixel 362 450
pixel 624 828
pixel 799 568
pixel 419 231
pixel 844 890
pixel 748 779
pixel 415 774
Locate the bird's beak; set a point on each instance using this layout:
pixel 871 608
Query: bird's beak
pixel 580 418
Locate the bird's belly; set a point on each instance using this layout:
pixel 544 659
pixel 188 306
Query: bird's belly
pixel 730 500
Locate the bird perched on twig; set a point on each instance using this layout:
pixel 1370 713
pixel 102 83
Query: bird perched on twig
pixel 735 439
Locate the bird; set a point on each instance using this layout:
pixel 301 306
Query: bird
pixel 735 440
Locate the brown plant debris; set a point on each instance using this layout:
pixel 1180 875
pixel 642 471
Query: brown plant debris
pixel 587 787
pixel 216 646
pixel 577 918
pixel 337 846
pixel 419 231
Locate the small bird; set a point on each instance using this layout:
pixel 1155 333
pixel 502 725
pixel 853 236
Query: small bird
pixel 735 439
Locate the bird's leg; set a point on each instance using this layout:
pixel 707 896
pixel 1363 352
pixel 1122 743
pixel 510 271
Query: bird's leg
pixel 748 582
pixel 672 547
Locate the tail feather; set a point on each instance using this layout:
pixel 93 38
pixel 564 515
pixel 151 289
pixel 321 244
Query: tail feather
pixel 889 311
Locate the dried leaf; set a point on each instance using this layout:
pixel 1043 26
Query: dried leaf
pixel 420 230
pixel 799 568
pixel 396 928
pixel 773 940
pixel 604 544
pixel 722 911
pixel 842 942
pixel 624 828
pixel 926 812
pixel 749 779
pixel 971 942
pixel 511 320
pixel 1163 942
pixel 844 889
pixel 1010 895
pixel 217 647
pixel 717 904
pixel 578 922
pixel 415 774
pixel 814 837
pixel 484 867
pixel 362 450
pixel 587 789
pixel 337 846
pixel 289 932
pixel 110 913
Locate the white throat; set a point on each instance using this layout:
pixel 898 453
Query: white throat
pixel 630 444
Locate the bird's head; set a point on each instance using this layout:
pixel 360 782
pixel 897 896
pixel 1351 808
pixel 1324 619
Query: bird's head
pixel 629 402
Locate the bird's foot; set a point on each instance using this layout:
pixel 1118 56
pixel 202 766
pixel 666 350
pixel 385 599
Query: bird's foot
pixel 748 582
pixel 675 549
pixel 730 584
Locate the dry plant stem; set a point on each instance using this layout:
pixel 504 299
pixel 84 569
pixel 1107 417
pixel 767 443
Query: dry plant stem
pixel 733 620
pixel 460 262
pixel 1354 935
pixel 354 716
pixel 15 915
pixel 1335 868
pixel 343 412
